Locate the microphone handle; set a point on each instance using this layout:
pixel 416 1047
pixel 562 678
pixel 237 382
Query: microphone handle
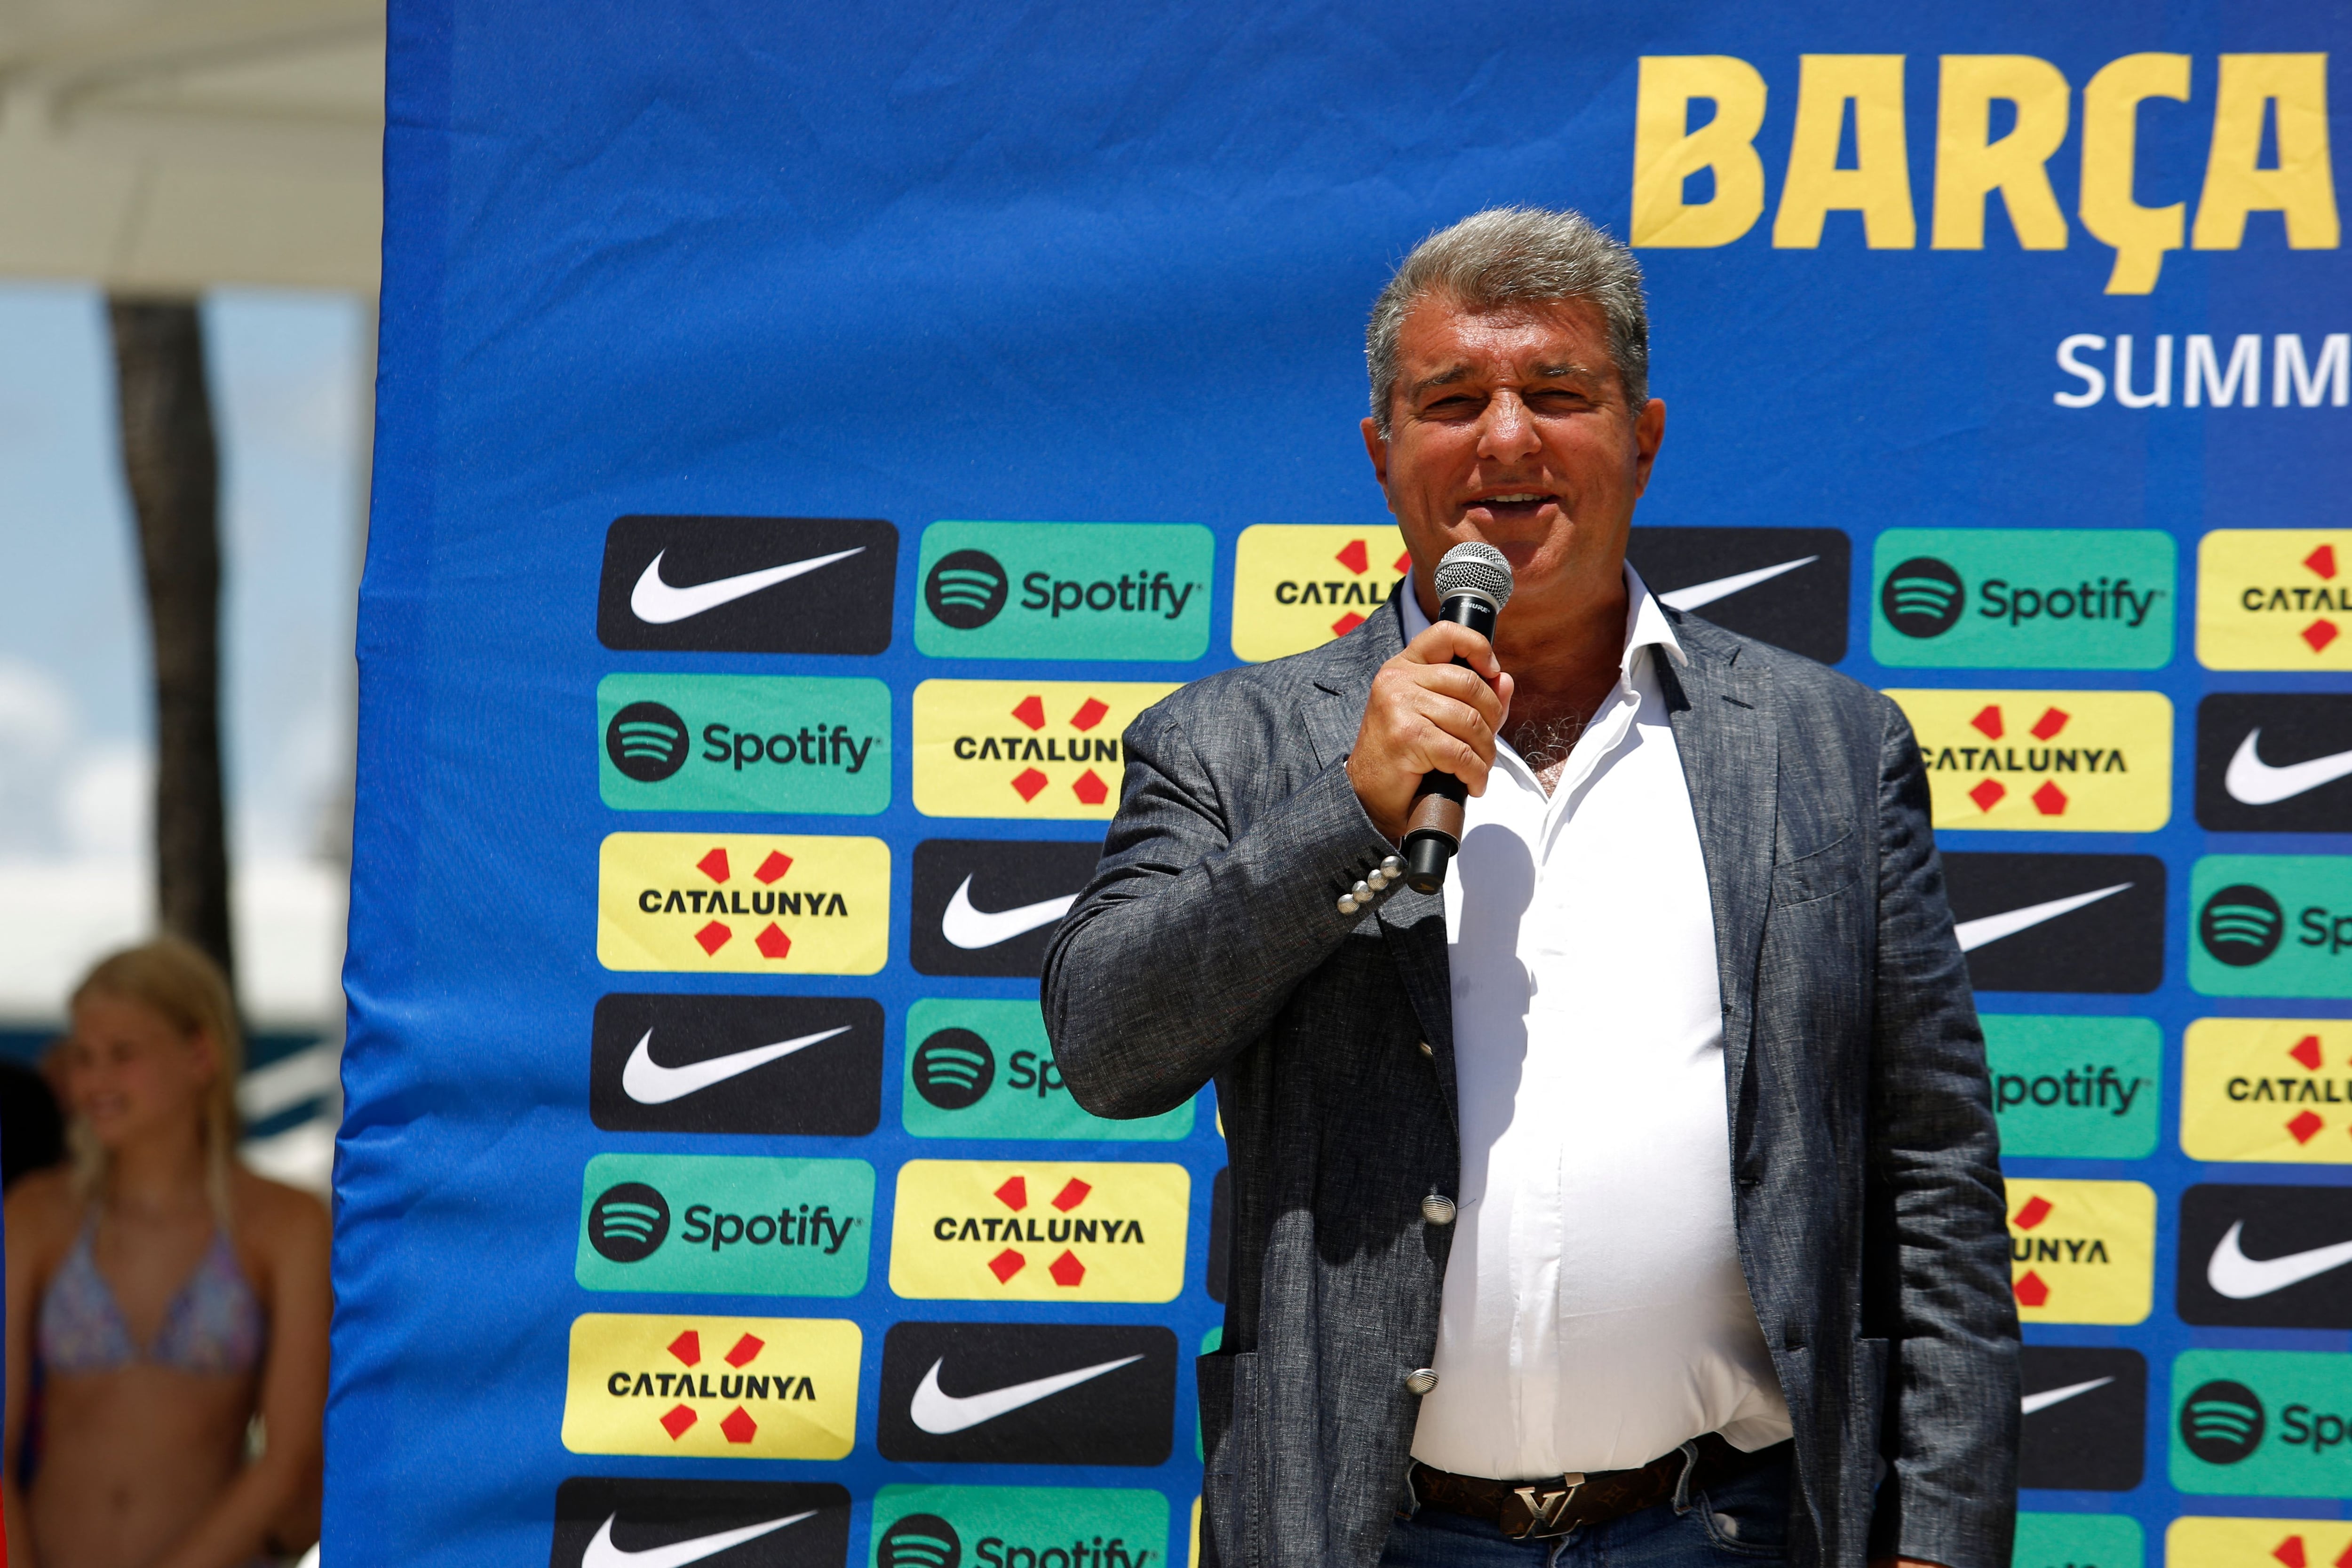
pixel 1433 827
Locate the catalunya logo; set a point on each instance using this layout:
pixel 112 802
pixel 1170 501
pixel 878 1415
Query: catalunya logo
pixel 1024 748
pixel 743 902
pixel 2062 761
pixel 2278 1091
pixel 2274 598
pixel 2082 1252
pixel 738 1388
pixel 991 1230
pixel 1297 585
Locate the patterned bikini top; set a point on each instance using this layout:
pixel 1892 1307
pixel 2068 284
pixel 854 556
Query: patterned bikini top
pixel 213 1324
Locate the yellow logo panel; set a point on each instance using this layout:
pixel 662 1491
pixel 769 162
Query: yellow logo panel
pixel 2076 762
pixel 1298 585
pixel 2194 1543
pixel 723 1388
pixel 1024 748
pixel 2278 1091
pixel 2082 1252
pixel 988 1230
pixel 2274 598
pixel 760 904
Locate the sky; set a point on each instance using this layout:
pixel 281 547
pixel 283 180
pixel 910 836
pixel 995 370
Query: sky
pixel 287 372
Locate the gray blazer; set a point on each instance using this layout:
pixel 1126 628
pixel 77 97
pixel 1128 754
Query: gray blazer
pixel 1864 1159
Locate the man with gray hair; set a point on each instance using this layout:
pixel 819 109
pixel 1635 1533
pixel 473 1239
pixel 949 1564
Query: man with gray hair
pixel 1634 1199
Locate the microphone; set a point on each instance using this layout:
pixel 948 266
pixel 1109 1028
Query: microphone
pixel 1473 583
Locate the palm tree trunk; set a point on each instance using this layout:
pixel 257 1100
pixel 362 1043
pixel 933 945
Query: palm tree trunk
pixel 174 469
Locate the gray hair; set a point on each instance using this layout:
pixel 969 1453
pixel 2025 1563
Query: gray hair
pixel 1517 255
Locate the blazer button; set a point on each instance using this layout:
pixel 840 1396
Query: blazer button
pixel 1392 866
pixel 1427 1051
pixel 1437 1208
pixel 1420 1381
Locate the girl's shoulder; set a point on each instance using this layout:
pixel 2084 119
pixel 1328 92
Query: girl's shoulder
pixel 43 1213
pixel 277 1220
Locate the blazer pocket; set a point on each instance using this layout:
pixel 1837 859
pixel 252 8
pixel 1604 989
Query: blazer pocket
pixel 1822 873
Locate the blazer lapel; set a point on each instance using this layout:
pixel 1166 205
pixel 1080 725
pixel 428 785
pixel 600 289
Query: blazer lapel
pixel 1728 734
pixel 1344 683
pixel 1412 923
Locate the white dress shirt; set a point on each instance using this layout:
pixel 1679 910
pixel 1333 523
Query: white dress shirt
pixel 1594 1314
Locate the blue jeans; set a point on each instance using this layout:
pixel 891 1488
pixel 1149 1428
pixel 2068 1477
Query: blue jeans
pixel 1743 1523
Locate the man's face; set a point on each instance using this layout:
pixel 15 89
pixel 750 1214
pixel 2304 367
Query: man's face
pixel 1511 426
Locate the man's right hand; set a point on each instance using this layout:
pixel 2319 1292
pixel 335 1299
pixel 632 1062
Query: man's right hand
pixel 1427 714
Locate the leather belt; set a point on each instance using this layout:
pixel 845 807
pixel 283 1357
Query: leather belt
pixel 1538 1510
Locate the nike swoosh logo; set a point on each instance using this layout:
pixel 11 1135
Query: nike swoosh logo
pixel 649 1082
pixel 657 603
pixel 603 1553
pixel 2241 1279
pixel 1975 934
pixel 2049 1396
pixel 969 928
pixel 1699 593
pixel 2251 782
pixel 942 1413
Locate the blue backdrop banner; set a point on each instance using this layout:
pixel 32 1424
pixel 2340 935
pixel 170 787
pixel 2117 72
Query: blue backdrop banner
pixel 807 440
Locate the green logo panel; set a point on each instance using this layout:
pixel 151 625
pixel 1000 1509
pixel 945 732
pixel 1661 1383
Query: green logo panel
pixel 2271 925
pixel 725 1225
pixel 1065 591
pixel 2263 1423
pixel 1002 1526
pixel 985 1070
pixel 2000 599
pixel 2077 1541
pixel 743 743
pixel 2074 1088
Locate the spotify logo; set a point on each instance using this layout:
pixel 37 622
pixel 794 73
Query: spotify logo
pixel 1923 597
pixel 919 1540
pixel 647 742
pixel 966 590
pixel 2222 1422
pixel 953 1068
pixel 2241 924
pixel 629 1222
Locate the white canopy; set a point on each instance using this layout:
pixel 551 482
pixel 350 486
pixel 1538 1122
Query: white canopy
pixel 184 144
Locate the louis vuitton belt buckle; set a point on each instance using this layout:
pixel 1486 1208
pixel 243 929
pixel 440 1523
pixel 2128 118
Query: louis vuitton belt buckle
pixel 1539 1512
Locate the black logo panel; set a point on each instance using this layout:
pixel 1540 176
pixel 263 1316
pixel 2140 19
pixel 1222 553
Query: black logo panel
pixel 1027 1393
pixel 1782 586
pixel 2272 762
pixel 2059 923
pixel 2086 1418
pixel 605 1522
pixel 748 585
pixel 804 1066
pixel 2266 1257
pixel 988 906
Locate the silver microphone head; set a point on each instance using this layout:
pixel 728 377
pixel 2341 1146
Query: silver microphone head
pixel 1475 567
